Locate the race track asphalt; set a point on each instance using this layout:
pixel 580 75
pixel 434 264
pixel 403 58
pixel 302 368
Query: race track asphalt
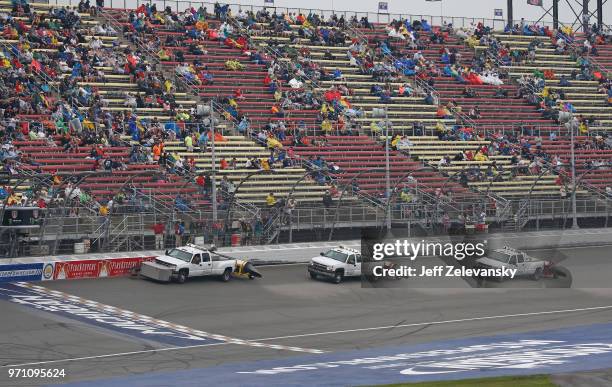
pixel 286 308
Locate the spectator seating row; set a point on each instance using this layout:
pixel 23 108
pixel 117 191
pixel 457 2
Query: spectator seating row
pixel 255 105
pixel 496 114
pixel 583 94
pixel 255 188
pixel 358 156
pixel 402 113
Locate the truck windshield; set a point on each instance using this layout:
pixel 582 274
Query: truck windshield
pixel 338 256
pixel 501 257
pixel 179 254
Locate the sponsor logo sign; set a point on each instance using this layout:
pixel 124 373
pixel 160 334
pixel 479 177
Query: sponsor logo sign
pixel 21 272
pixel 120 266
pixel 76 269
pixel 96 268
pixel 383 6
pixel 48 270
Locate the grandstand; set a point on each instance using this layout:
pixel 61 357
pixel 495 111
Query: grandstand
pixel 215 120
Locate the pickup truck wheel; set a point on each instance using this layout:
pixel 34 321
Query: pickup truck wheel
pixel 181 277
pixel 313 275
pixel 338 277
pixel 227 275
pixel 537 274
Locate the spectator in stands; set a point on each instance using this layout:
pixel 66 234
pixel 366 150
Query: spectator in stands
pixel 271 200
pixel 179 232
pixel 474 113
pixel 500 93
pixel 327 199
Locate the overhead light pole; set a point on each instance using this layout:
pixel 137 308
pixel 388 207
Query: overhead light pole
pixel 387 169
pixel 573 168
pixel 214 165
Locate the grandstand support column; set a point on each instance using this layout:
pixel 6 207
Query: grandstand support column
pixel 573 161
pixel 585 15
pixel 213 162
pixel 510 13
pixel 555 9
pixel 600 13
pixel 387 170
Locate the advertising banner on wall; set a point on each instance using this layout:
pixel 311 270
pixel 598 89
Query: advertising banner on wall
pixel 21 272
pixel 76 269
pixel 48 271
pixel 120 266
pixel 98 268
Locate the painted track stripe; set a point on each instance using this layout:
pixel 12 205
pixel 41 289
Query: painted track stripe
pixel 150 351
pixel 147 351
pixel 455 321
pixel 139 317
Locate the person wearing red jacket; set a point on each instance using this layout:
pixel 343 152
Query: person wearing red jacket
pixel 159 229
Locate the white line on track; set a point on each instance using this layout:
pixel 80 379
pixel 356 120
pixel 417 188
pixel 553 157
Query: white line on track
pixel 119 354
pixel 440 322
pixel 113 355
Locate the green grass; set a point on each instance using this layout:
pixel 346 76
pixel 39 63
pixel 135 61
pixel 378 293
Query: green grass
pixel 504 381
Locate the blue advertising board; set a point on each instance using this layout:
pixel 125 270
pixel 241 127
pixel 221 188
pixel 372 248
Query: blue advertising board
pixel 21 272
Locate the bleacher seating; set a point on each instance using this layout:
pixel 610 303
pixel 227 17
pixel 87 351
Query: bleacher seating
pixel 355 153
pixel 583 94
pixel 256 188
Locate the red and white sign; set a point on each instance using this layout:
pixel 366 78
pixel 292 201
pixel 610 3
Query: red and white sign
pixel 96 268
pixel 76 269
pixel 120 266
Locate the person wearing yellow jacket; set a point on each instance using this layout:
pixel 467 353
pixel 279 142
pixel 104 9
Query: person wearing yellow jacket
pixel 326 126
pixel 374 128
pixel 405 196
pixel 168 85
pixel 163 54
pixel 271 200
pixel 233 65
pixel 395 141
pixel 480 156
pixel 265 165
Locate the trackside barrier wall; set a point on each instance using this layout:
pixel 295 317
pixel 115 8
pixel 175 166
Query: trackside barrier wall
pixel 73 269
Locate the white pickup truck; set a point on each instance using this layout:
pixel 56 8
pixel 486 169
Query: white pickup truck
pixel 188 261
pixel 525 265
pixel 336 264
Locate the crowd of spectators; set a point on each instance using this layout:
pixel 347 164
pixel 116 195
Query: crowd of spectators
pixel 81 53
